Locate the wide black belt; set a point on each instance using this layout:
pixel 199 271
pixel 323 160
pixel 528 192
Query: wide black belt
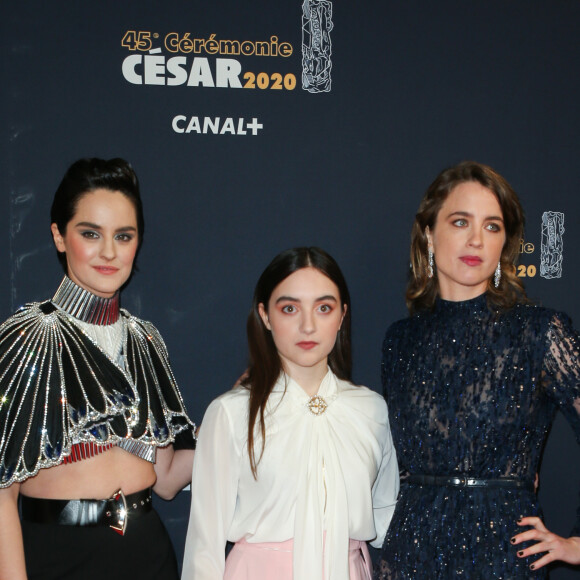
pixel 467 481
pixel 114 512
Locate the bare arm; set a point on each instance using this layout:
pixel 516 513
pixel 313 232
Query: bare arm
pixel 12 566
pixel 173 470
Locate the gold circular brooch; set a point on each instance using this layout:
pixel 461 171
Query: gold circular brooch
pixel 317 405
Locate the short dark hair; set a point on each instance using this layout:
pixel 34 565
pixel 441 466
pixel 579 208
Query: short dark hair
pixel 87 175
pixel 422 290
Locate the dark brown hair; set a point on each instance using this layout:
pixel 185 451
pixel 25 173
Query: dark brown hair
pixel 87 175
pixel 422 290
pixel 265 365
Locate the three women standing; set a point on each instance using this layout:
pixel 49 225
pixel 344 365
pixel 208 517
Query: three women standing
pixel 295 465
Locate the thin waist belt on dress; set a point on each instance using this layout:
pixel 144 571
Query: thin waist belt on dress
pixel 114 512
pixel 466 481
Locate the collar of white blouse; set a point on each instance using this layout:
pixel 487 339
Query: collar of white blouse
pixel 321 538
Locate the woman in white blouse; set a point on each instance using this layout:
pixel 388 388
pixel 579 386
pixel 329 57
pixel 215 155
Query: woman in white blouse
pixel 296 464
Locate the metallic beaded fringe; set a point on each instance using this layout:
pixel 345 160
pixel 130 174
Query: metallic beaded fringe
pixel 84 305
pixel 139 449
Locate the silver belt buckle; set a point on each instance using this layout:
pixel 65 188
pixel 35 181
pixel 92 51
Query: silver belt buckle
pixel 119 508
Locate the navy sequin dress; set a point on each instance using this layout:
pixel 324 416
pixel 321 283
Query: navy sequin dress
pixel 472 392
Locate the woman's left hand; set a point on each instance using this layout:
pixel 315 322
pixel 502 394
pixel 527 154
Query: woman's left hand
pixel 556 548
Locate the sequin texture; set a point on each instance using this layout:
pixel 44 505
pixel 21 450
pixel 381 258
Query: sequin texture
pixel 58 387
pixel 472 392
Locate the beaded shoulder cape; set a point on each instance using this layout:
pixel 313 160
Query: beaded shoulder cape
pixel 59 388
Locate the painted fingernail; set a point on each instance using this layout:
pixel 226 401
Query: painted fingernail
pixel 532 566
pixel 520 519
pixel 520 553
pixel 513 540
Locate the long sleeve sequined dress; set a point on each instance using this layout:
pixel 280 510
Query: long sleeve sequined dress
pixel 472 392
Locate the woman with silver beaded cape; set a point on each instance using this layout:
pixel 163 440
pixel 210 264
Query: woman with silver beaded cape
pixel 91 417
pixel 473 379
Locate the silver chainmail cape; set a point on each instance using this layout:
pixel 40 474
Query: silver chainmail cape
pixel 58 387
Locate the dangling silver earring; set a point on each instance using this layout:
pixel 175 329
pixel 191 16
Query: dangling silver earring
pixel 430 261
pixel 497 275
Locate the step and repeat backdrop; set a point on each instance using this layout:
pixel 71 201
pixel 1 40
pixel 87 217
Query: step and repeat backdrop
pixel 257 126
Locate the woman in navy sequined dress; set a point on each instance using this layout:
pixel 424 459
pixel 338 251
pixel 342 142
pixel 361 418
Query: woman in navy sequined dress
pixel 473 379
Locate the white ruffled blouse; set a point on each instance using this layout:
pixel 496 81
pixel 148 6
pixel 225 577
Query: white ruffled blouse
pixel 323 478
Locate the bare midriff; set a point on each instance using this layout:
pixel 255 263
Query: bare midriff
pixel 96 477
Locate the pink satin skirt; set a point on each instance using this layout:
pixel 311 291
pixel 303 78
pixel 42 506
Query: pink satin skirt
pixel 273 560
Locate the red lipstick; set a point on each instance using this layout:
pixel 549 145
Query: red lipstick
pixel 107 270
pixel 471 260
pixel 306 344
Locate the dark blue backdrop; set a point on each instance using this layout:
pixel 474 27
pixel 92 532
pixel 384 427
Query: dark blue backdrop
pixel 413 87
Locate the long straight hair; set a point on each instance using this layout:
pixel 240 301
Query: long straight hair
pixel 265 365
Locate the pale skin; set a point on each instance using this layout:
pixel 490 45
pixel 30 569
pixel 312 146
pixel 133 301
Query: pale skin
pixel 557 548
pixel 467 240
pixel 304 314
pixel 100 242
